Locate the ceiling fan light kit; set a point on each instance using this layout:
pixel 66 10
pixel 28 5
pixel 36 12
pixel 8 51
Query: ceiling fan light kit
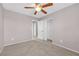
pixel 39 7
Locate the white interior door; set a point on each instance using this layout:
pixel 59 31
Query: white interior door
pixel 42 29
pixel 34 29
pixel 50 29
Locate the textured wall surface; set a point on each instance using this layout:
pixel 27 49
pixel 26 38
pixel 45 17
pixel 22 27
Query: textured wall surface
pixel 17 27
pixel 1 27
pixel 65 27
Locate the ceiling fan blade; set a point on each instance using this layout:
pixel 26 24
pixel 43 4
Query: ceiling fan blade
pixel 47 5
pixel 35 12
pixel 29 7
pixel 36 4
pixel 44 11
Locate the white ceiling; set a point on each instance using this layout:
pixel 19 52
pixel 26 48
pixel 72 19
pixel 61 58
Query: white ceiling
pixel 19 7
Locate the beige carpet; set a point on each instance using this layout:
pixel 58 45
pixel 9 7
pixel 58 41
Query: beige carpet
pixel 36 48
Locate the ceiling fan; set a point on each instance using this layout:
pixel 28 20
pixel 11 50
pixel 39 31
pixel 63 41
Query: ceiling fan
pixel 39 7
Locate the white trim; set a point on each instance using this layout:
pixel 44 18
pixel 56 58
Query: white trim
pixel 65 47
pixel 17 42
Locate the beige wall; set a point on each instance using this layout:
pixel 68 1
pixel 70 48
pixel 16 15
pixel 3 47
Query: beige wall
pixel 1 27
pixel 17 27
pixel 65 27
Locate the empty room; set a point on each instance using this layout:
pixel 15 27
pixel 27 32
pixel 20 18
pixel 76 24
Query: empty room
pixel 39 29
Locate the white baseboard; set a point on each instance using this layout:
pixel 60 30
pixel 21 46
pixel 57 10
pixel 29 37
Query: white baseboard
pixel 17 42
pixel 65 47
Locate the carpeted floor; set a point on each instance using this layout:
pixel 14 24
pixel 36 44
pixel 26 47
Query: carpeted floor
pixel 36 48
